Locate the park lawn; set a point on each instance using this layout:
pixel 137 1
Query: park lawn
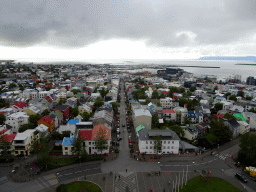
pixel 79 186
pixel 214 184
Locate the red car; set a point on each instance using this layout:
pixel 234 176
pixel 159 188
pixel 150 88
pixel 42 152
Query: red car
pixel 130 141
pixel 238 164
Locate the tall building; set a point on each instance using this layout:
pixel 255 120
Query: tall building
pixel 250 81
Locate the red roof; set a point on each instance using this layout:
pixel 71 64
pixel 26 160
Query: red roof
pixel 166 92
pixel 96 129
pixel 3 112
pixel 3 131
pixel 49 99
pixel 85 134
pixel 218 115
pixel 9 137
pixel 20 105
pixel 168 111
pixel 46 119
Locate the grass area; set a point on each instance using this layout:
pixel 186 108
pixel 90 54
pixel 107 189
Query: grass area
pixel 79 186
pixel 212 185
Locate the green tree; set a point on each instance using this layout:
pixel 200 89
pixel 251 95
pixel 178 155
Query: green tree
pixel 78 147
pixel 247 151
pixel 59 103
pixel 55 135
pixel 5 146
pixel 158 144
pixel 101 142
pixel 155 119
pixel 252 110
pixel 86 116
pixel 155 95
pixel 74 111
pixel 66 134
pixel 99 102
pixel 232 97
pixel 228 116
pixel 222 132
pixel 34 118
pixel 248 98
pixel 192 88
pixel 12 85
pixel 162 96
pixel 178 130
pixel 104 92
pixel 2 118
pixel 227 94
pixel 45 112
pixel 218 106
pixel 215 88
pixel 25 127
pixel 95 90
pixel 240 93
pixel 75 91
pixel 182 101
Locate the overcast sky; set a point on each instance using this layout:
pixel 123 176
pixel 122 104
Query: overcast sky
pixel 126 29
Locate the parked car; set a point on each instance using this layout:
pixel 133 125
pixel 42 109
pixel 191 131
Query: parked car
pixel 119 138
pixel 129 130
pixel 129 137
pixel 238 164
pixel 130 140
pixel 117 143
pixel 130 145
pixel 241 177
pixel 118 130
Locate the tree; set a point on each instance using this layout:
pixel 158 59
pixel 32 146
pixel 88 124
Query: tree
pixel 86 116
pixel 158 144
pixel 192 88
pixel 59 103
pixel 218 106
pixel 74 111
pixel 252 110
pixel 178 130
pixel 227 94
pixel 104 92
pixel 101 142
pixel 240 93
pixel 77 145
pixel 34 118
pixel 55 135
pixel 45 112
pixel 5 146
pixel 215 88
pixel 222 132
pixel 66 134
pixel 114 107
pixel 99 102
pixel 162 96
pixel 95 90
pixel 247 152
pixel 182 101
pixel 2 118
pixel 25 127
pixel 155 119
pixel 12 85
pixel 248 98
pixel 75 91
pixel 155 95
pixel 228 116
pixel 232 97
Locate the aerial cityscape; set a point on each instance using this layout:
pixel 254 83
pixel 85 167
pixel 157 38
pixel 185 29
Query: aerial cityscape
pixel 127 96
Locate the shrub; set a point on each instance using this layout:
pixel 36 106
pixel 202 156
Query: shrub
pixel 116 150
pixel 132 150
pixel 61 188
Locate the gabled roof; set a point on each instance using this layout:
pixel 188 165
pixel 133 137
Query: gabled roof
pixel 168 111
pixel 240 116
pixel 191 114
pixel 85 135
pixel 233 122
pixel 46 119
pixel 96 129
pixel 10 137
pixel 73 121
pixel 61 107
pixel 68 140
pixel 20 105
pixel 48 99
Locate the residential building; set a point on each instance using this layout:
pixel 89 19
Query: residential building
pixel 64 109
pixel 47 121
pixel 233 126
pixel 16 120
pixel 142 116
pixel 191 132
pixel 244 127
pixel 67 145
pixel 169 115
pixel 85 108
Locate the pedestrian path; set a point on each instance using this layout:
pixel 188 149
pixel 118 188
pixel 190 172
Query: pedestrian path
pixel 222 157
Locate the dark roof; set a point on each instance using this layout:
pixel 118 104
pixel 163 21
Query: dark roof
pixel 61 107
pixel 233 122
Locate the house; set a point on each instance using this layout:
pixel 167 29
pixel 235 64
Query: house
pixel 47 103
pixel 192 116
pixel 169 115
pixel 42 129
pixel 59 116
pixel 244 127
pixel 73 121
pixel 250 119
pixel 142 116
pixel 32 110
pixel 94 96
pixel 85 108
pixel 233 126
pixel 55 118
pixel 191 132
pixel 199 117
pixel 22 142
pixel 67 145
pixel 20 106
pixel 146 140
pixel 102 117
pixel 84 125
pixel 47 121
pixel 158 111
pixel 16 120
pixel 8 137
pixel 64 109
pixel 181 113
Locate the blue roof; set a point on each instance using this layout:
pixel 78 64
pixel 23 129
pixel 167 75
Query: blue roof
pixel 73 121
pixel 198 113
pixel 68 140
pixel 191 114
pixel 54 96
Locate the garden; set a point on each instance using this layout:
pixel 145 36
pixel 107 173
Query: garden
pixel 79 186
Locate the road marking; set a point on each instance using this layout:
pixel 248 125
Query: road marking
pixel 176 165
pixel 202 163
pixel 196 164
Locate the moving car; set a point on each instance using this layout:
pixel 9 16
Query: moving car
pixel 238 164
pixel 123 125
pixel 119 138
pixel 241 177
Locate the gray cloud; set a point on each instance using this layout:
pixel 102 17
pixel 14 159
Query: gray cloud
pixel 76 23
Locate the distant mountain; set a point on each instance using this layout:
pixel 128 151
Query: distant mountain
pixel 247 58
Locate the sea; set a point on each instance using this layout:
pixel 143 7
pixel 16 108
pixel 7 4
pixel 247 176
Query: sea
pixel 227 67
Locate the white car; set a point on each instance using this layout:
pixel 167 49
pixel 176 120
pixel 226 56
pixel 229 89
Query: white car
pixel 118 130
pixel 129 137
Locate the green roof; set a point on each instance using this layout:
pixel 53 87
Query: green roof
pixel 239 116
pixel 79 94
pixel 140 127
pixel 159 92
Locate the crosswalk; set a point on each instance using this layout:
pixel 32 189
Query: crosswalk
pixel 223 157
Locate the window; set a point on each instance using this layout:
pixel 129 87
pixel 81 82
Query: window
pixel 93 143
pixel 163 147
pixel 172 147
pixel 168 147
pixel 83 144
pixel 146 142
pixel 168 142
pixel 150 142
pixel 89 143
pixel 164 142
pixel 66 148
pixel 150 147
pixel 146 147
pixel 173 142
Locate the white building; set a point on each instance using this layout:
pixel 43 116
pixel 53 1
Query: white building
pixel 16 120
pixel 244 127
pixel 141 116
pixel 169 139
